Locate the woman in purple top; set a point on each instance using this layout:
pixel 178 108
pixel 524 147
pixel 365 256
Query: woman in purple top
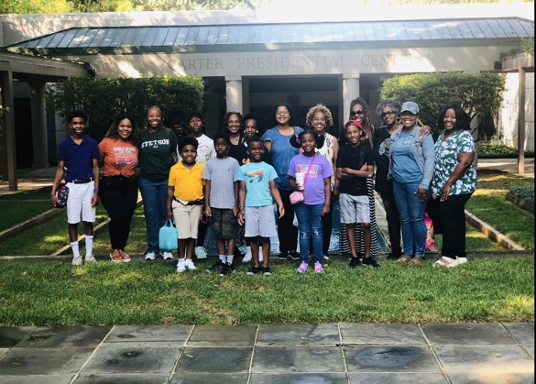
pixel 317 194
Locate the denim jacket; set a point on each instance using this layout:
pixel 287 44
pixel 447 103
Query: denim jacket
pixel 424 154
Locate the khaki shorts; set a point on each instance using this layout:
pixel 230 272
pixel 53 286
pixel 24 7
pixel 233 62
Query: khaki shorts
pixel 186 219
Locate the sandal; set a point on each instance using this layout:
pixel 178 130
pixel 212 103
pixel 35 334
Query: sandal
pixel 115 255
pixel 444 261
pixel 124 256
pixel 418 260
pixel 403 259
pixel 458 261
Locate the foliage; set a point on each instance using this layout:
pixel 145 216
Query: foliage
pixel 480 94
pixel 524 193
pixel 527 45
pixel 495 148
pixel 103 99
pixel 35 6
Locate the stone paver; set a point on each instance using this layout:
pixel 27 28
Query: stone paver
pixel 297 359
pixel 11 336
pixel 3 351
pixel 223 336
pixel 299 378
pixel 149 333
pixel 523 333
pixel 467 334
pixel 210 378
pixel 138 378
pixel 491 378
pixel 50 379
pixel 80 336
pixel 391 359
pixel 215 360
pixel 397 378
pixel 529 349
pixel 381 334
pixel 29 361
pixel 483 358
pixel 298 334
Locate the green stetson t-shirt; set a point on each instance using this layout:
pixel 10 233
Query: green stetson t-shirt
pixel 156 153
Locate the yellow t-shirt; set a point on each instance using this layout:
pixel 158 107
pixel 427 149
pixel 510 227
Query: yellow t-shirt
pixel 188 183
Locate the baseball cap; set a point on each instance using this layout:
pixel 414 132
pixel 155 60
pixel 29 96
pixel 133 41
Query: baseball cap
pixel 410 106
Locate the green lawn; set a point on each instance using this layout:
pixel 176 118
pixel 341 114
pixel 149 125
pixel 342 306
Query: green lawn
pixel 489 204
pixel 18 207
pixel 57 293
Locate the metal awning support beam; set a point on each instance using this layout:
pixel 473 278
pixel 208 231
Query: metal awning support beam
pixel 7 132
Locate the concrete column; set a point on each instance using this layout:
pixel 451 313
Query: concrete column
pixel 350 90
pixel 39 125
pixel 521 124
pixel 7 133
pixel 233 93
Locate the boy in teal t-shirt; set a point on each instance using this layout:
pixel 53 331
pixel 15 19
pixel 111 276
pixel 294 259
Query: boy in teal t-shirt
pixel 257 187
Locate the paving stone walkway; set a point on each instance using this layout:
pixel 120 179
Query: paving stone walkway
pixel 268 354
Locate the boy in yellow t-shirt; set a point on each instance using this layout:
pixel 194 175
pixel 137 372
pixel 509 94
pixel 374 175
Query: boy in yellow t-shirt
pixel 185 200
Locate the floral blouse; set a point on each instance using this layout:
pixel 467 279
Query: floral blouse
pixel 328 152
pixel 446 160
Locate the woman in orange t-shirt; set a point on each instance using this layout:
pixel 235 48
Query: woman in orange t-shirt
pixel 119 184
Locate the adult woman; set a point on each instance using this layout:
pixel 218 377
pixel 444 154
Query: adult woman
pixel 454 180
pixel 233 125
pixel 360 111
pixel 411 167
pixel 277 142
pixel 319 118
pixel 157 146
pixel 119 185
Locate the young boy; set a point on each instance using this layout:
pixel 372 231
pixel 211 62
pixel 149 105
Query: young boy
pixel 79 156
pixel 355 163
pixel 257 187
pixel 221 201
pixel 205 152
pixel 185 200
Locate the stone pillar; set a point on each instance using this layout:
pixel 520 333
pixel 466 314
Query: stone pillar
pixel 233 93
pixel 350 90
pixel 7 131
pixel 39 125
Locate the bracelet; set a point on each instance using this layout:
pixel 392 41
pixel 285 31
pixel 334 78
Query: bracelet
pixel 95 190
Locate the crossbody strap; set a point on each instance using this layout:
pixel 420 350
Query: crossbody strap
pixel 308 169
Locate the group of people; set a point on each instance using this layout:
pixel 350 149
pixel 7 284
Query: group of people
pixel 232 180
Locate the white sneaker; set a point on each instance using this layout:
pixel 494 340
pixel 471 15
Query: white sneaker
pixel 248 256
pixel 189 264
pixel 167 256
pixel 200 252
pixel 77 260
pixel 90 259
pixel 150 256
pixel 261 257
pixel 181 266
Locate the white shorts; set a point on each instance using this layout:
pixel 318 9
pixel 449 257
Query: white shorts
pixel 79 203
pixel 354 209
pixel 260 221
pixel 186 219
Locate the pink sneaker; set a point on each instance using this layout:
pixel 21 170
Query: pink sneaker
pixel 318 268
pixel 302 268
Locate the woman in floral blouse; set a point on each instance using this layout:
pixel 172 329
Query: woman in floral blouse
pixel 454 180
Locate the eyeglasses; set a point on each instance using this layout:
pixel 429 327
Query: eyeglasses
pixel 358 112
pixel 388 113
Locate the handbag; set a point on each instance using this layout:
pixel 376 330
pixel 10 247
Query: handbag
pixel 61 196
pixel 168 237
pixel 297 197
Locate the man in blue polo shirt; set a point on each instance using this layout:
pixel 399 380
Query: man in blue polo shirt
pixel 78 161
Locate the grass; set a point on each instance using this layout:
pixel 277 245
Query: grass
pixel 139 293
pixel 19 207
pixel 489 204
pixel 475 241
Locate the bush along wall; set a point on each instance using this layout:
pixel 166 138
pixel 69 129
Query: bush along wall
pixel 495 149
pixel 480 94
pixel 103 99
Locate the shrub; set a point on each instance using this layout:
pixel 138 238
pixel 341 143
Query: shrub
pixel 103 99
pixel 525 193
pixel 480 94
pixel 495 148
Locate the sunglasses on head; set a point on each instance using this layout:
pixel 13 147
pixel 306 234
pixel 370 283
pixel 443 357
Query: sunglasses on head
pixel 388 113
pixel 358 112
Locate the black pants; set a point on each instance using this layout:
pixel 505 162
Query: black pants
pixel 393 222
pixel 452 218
pixel 288 233
pixel 119 195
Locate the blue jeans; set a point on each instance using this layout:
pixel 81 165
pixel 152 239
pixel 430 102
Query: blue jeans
pixel 411 216
pixel 310 225
pixel 154 194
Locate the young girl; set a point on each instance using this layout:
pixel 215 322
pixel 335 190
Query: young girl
pixel 316 186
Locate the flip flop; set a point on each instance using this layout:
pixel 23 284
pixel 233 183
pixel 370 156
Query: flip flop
pixel 443 261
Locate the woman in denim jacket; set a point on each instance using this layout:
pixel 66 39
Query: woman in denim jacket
pixel 411 167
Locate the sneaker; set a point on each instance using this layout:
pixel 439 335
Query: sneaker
pixel 248 256
pixel 283 256
pixel 90 259
pixel 266 271
pixel 325 257
pixel 189 264
pixel 370 262
pixel 354 262
pixel 318 268
pixel 167 256
pixel 393 256
pixel 77 260
pixel 217 267
pixel 302 268
pixel 294 255
pixel 253 271
pixel 200 252
pixel 226 270
pixel 150 256
pixel 181 266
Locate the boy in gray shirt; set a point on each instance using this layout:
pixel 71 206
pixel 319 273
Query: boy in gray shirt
pixel 221 201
